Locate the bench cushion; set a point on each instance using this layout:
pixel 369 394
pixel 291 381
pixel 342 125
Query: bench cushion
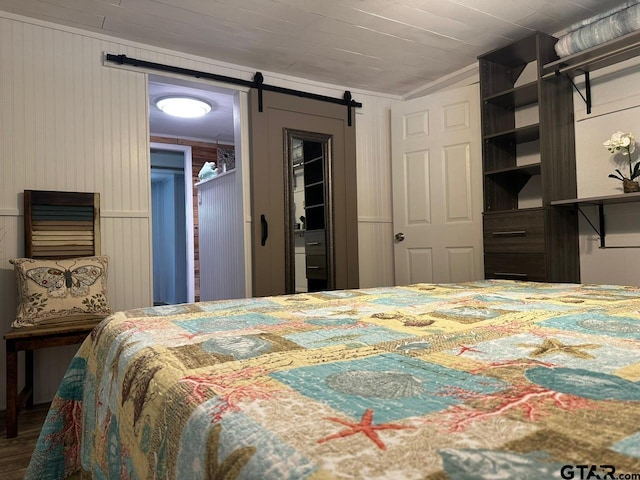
pixel 61 290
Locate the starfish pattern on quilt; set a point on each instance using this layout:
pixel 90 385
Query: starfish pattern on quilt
pixel 552 345
pixel 365 426
pixel 465 348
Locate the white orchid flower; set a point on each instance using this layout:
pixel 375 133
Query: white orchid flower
pixel 624 143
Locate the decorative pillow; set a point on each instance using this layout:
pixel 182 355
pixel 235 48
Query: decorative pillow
pixel 53 291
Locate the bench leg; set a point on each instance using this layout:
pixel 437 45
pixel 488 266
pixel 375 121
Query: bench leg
pixel 28 377
pixel 12 392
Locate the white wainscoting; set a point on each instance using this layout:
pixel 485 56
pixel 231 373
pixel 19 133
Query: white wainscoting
pixel 69 122
pixel 375 227
pixel 375 247
pixel 220 239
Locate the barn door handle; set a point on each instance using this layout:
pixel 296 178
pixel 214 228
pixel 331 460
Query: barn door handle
pixel 265 229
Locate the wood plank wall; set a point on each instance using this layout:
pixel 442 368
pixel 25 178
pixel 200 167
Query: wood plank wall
pixel 201 152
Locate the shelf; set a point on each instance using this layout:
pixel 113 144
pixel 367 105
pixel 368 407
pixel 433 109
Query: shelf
pixel 515 97
pixel 512 179
pixel 309 185
pixel 531 169
pixel 600 202
pixel 317 205
pixel 312 160
pixel 603 55
pixel 215 177
pixel 516 135
pixel 606 200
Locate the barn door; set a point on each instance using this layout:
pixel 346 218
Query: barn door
pixel 273 227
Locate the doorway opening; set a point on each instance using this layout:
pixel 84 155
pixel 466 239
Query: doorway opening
pixel 217 137
pixel 172 224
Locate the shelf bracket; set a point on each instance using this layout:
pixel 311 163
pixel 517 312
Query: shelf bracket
pixel 600 202
pixel 601 231
pixel 587 87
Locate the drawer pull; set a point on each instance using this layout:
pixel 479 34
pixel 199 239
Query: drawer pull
pixel 313 244
pixel 505 274
pixel 313 267
pixel 510 233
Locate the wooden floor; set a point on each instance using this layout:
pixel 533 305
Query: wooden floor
pixel 15 453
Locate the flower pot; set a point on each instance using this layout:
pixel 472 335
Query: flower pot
pixel 630 186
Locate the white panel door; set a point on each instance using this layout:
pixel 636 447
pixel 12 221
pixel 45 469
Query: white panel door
pixel 437 188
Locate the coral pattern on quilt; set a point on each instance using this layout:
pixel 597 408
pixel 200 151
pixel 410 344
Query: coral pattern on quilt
pixel 491 379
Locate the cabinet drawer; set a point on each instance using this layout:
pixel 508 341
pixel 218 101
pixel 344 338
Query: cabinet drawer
pixel 514 232
pixel 529 266
pixel 315 242
pixel 317 267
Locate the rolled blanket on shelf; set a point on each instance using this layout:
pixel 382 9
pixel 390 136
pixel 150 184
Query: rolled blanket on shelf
pixel 600 16
pixel 600 29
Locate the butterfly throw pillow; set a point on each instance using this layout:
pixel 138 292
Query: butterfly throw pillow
pixel 53 291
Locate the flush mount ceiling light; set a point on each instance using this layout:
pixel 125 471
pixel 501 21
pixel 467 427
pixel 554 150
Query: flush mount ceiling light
pixel 185 107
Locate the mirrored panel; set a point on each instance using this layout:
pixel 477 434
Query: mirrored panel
pixel 308 213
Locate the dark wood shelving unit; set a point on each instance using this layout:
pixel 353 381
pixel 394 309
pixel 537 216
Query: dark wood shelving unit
pixel 315 193
pixel 541 243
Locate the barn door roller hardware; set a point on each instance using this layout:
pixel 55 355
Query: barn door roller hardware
pixel 257 82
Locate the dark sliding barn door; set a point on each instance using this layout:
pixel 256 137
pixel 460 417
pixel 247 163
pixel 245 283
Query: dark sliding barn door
pixel 269 202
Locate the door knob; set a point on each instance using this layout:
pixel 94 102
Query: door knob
pixel 399 237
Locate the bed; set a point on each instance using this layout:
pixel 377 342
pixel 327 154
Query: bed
pixel 490 379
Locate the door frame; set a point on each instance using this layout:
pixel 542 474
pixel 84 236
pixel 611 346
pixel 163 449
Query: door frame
pixel 289 134
pixel 188 189
pixel 422 128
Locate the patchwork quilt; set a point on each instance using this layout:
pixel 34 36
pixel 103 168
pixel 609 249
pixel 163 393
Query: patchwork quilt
pixel 491 379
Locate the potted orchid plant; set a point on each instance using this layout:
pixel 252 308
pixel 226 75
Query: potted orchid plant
pixel 625 144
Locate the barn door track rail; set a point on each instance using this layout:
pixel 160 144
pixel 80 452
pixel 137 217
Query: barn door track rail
pixel 257 82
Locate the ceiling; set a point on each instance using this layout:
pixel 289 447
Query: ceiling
pixel 389 46
pixel 217 125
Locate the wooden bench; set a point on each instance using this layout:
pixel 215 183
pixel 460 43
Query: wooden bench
pixel 48 215
pixel 28 339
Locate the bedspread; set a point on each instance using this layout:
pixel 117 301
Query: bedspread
pixel 491 379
